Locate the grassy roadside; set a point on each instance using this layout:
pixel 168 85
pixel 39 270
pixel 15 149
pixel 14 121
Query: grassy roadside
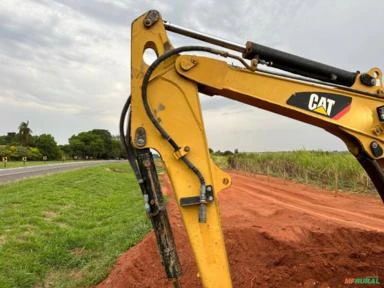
pixel 66 230
pixel 16 164
pixel 332 170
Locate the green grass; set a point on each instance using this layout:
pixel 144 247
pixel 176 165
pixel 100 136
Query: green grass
pixel 334 170
pixel 16 164
pixel 66 230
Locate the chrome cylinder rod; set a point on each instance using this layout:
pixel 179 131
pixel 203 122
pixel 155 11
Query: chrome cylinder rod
pixel 276 58
pixel 204 37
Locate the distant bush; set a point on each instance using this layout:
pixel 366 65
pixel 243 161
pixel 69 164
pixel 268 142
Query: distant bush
pixel 34 154
pixel 16 153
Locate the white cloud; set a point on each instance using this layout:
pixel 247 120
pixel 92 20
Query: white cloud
pixel 64 64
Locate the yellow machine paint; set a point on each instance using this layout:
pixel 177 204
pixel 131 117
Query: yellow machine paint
pixel 173 99
pixel 176 104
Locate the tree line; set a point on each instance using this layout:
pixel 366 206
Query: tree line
pixel 94 144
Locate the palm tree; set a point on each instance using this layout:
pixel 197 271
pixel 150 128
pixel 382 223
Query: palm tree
pixel 25 133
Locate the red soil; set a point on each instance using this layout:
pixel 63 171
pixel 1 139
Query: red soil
pixel 278 234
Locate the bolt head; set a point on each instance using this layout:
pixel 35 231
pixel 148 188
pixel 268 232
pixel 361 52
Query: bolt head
pixel 147 22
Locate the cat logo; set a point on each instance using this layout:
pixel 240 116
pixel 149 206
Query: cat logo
pixel 321 105
pixel 329 105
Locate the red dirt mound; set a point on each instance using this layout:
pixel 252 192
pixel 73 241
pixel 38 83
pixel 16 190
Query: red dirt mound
pixel 278 234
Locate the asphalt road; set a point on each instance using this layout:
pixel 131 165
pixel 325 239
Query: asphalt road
pixel 13 174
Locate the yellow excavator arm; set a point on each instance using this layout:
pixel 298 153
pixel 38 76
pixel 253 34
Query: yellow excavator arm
pixel 165 115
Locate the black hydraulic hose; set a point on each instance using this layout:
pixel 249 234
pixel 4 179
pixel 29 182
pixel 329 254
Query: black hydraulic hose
pixel 123 115
pixel 164 134
pixel 153 119
pixel 128 147
pixel 144 87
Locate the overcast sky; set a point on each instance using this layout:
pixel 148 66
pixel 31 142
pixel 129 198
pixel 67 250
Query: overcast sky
pixel 65 63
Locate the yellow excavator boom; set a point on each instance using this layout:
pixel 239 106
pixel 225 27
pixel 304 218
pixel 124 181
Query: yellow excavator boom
pixel 165 115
